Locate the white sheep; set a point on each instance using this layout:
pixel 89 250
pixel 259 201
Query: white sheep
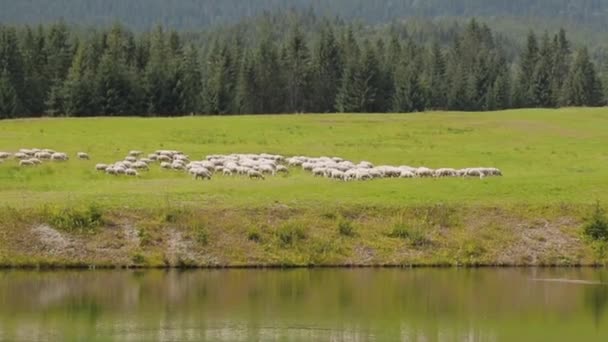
pixel 282 169
pixel 135 153
pixel 59 156
pixel 227 172
pixel 165 165
pixel 131 159
pixel 43 155
pixel 202 174
pixel 83 156
pixel 255 174
pixel 131 172
pixel 20 155
pixel 4 155
pixel 140 165
pixel 101 167
pixel 26 162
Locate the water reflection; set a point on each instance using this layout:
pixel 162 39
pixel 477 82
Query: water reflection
pixel 304 305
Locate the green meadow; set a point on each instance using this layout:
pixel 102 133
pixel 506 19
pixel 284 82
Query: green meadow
pixel 547 156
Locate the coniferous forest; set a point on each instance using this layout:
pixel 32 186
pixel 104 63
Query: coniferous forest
pixel 288 63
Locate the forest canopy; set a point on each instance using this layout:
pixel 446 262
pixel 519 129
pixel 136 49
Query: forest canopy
pixel 289 62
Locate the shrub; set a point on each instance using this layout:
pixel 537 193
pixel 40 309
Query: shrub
pixel 77 220
pixel 201 234
pixel 346 228
pixel 254 234
pixel 400 231
pixel 416 236
pixel 138 259
pixel 596 227
pixel 290 234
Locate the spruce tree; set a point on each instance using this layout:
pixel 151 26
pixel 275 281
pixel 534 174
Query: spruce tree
pixel 583 86
pixel 9 103
pixel 527 68
pixel 296 65
pixel 541 85
pixel 327 67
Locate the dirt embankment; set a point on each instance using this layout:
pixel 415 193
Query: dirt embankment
pixel 283 236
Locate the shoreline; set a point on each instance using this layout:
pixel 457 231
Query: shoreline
pixel 279 237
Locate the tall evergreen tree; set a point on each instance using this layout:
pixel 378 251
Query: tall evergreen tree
pixel 583 87
pixel 9 103
pixel 327 71
pixel 541 86
pixel 527 67
pixel 297 71
pixel 437 78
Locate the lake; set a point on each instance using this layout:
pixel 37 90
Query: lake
pixel 511 304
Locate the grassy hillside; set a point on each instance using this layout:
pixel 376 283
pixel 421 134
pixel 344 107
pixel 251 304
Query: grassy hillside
pixel 66 214
pixel 547 156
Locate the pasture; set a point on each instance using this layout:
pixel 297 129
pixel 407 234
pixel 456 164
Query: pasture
pixel 547 157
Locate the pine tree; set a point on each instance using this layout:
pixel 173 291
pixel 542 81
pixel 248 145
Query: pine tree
pixel 541 85
pixel 297 72
pixel 269 77
pixel 9 103
pixel 190 81
pixel 246 102
pixel 11 63
pixel 409 94
pixel 34 65
pixel 560 65
pixel 583 86
pixel 221 80
pixel 437 79
pixel 327 71
pixel 529 59
pixel 77 92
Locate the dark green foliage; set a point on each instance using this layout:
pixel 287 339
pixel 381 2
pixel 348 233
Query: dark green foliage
pixel 80 220
pixel 254 235
pixel 596 227
pixel 292 63
pixel 290 233
pixel 346 228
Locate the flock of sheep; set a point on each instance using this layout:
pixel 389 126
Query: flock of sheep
pixel 254 166
pixel 36 156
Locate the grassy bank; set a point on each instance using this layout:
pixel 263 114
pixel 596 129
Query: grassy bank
pixel 286 236
pixel 555 166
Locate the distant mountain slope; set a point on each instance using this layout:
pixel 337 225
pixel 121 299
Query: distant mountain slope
pixel 193 14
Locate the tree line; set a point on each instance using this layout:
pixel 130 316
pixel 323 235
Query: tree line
pixel 207 13
pixel 58 70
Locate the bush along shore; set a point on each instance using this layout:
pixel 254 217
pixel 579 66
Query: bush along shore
pixel 283 236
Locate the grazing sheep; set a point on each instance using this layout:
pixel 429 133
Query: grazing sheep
pixel 131 172
pixel 135 153
pixel 406 174
pixel 43 155
pixel 20 155
pixel 282 169
pixel 227 172
pixel 424 172
pixel 164 158
pixel 59 156
pixel 110 170
pixel 202 174
pixel 101 167
pixel 139 165
pixel 26 162
pixel 119 170
pixel 255 174
pixel 4 155
pixel 131 159
pixel 165 165
pixel 36 161
pixel 83 156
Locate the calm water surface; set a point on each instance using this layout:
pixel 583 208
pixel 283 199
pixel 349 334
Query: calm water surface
pixel 306 305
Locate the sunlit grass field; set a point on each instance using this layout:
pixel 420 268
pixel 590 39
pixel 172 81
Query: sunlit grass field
pixel 547 157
